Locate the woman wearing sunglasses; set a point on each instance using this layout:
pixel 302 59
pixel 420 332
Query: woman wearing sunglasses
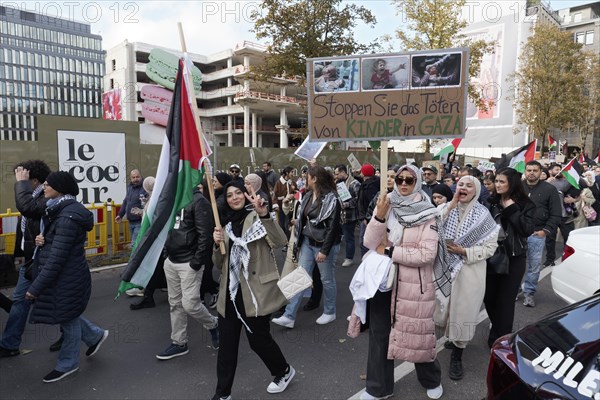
pixel 412 244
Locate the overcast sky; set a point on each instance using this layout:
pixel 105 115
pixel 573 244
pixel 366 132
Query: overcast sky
pixel 209 26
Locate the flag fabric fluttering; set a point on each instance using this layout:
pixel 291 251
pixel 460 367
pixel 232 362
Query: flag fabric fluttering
pixel 551 143
pixel 572 172
pixel 448 149
pixel 179 171
pixel 517 159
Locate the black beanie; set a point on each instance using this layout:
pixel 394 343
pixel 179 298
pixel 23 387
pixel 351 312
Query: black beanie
pixel 63 182
pixel 444 190
pixel 223 177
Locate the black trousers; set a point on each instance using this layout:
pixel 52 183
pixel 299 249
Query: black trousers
pixel 208 284
pixel 5 303
pixel 565 230
pixel 499 299
pixel 380 370
pixel 261 342
pixel 157 281
pixel 317 287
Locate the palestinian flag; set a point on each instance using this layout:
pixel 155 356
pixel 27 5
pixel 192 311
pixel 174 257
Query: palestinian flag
pixel 449 149
pixel 572 172
pixel 518 158
pixel 179 172
pixel 552 145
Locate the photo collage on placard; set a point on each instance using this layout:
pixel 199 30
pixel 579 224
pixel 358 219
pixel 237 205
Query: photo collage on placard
pixel 385 73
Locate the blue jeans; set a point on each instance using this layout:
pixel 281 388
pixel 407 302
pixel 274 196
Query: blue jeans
pixel 348 231
pixel 17 318
pixel 134 229
pixel 535 248
pixel 306 259
pixel 75 331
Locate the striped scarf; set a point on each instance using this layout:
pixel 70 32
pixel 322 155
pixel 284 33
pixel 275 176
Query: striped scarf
pixel 35 194
pixel 239 259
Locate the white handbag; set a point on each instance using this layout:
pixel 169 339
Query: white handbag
pixel 295 282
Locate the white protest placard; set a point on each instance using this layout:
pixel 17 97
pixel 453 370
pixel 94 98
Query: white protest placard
pixel 343 192
pixel 97 161
pixel 354 163
pixel 410 161
pixel 485 165
pixel 309 150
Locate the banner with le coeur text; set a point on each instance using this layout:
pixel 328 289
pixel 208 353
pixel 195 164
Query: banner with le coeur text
pixel 97 161
pixel 412 95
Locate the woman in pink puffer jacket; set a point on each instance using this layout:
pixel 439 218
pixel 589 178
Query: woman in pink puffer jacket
pixel 401 318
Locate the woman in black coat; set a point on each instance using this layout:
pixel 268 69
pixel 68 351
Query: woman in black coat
pixel 62 285
pixel 510 207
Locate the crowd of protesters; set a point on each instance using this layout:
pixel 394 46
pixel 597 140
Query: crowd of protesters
pixel 437 225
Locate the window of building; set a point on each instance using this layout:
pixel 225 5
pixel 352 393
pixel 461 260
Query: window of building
pixel 580 37
pixel 577 17
pixel 589 37
pixel 112 84
pixel 113 65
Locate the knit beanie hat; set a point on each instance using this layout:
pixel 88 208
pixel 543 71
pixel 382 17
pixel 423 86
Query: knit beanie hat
pixel 367 170
pixel 223 177
pixel 63 182
pixel 444 190
pixel 255 181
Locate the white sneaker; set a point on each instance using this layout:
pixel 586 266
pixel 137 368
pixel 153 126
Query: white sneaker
pixel 347 263
pixel 284 321
pixel 435 393
pixel 280 383
pixel 135 292
pixel 324 319
pixel 366 396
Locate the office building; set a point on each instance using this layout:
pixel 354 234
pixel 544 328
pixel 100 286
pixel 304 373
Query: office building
pixel 48 65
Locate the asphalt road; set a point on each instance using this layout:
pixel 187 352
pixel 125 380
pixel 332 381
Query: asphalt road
pixel 329 364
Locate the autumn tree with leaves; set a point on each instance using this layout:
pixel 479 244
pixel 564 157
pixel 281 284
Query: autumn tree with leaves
pixel 588 117
pixel 549 82
pixel 299 29
pixel 437 24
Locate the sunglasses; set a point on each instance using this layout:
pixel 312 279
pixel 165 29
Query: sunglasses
pixel 409 181
pixel 234 171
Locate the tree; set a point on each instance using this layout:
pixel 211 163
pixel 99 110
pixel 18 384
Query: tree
pixel 437 24
pixel 548 83
pixel 301 29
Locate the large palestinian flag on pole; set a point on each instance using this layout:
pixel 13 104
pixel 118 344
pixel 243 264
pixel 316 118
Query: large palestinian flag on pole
pixel 450 148
pixel 518 158
pixel 572 172
pixel 179 172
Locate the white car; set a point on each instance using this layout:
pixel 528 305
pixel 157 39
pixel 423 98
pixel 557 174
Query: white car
pixel 578 275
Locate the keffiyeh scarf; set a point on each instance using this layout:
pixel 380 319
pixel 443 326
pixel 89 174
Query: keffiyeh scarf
pixel 238 261
pixel 35 194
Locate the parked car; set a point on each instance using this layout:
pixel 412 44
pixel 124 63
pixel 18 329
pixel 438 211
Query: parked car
pixel 557 357
pixel 578 275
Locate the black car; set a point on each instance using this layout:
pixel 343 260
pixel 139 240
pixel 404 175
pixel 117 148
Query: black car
pixel 557 357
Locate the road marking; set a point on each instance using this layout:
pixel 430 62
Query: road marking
pixel 406 367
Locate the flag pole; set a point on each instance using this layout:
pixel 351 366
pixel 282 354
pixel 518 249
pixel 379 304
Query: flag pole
pixel 209 182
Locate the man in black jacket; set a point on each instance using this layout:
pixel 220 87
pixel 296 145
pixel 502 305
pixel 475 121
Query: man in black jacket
pixel 547 218
pixel 368 189
pixel 30 201
pixel 132 204
pixel 188 249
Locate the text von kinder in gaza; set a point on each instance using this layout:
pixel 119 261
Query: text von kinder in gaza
pixel 431 103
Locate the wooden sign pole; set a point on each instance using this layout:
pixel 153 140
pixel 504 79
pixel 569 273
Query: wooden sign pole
pixel 209 182
pixel 383 166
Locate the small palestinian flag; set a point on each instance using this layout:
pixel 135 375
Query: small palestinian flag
pixel 552 145
pixel 572 172
pixel 517 159
pixel 449 149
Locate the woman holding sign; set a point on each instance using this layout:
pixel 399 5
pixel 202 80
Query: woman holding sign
pixel 318 233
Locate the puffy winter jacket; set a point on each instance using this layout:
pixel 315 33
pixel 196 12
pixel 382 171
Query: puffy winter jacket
pixel 63 286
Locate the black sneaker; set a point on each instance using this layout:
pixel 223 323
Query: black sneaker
pixel 94 349
pixel 280 383
pixel 55 375
pixel 173 351
pixel 145 303
pixel 58 344
pixel 214 338
pixel 9 352
pixel 549 264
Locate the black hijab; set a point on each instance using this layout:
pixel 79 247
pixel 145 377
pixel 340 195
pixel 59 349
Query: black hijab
pixel 236 217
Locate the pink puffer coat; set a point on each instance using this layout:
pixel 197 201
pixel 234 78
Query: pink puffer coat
pixel 412 337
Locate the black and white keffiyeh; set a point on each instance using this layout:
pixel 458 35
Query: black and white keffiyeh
pixel 239 258
pixel 327 207
pixel 468 225
pixel 35 194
